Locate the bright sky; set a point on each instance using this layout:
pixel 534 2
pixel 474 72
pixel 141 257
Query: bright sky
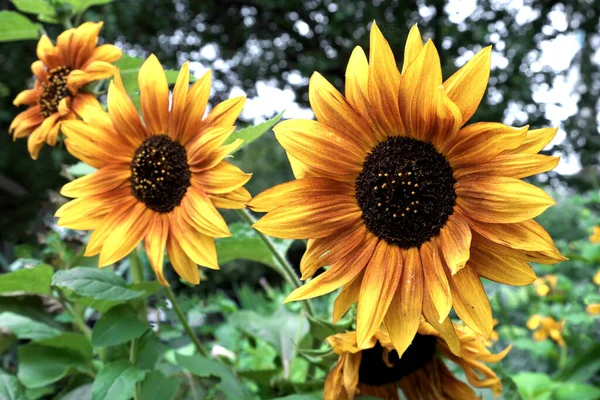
pixel 560 98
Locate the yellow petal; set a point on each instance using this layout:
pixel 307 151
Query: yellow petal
pixel 348 296
pixel 155 244
pixel 223 178
pixel 382 276
pixel 225 113
pixel 120 211
pixel 124 115
pixel 179 100
pixel 470 301
pixel 512 166
pixel 183 265
pixel 467 85
pixel 481 142
pixel 436 285
pixel 199 248
pixel 403 317
pixel 208 143
pixel 495 199
pixel 195 106
pixel 103 180
pixel 535 141
pixel 497 268
pixel 297 190
pixel 339 274
pixel 357 78
pixel 202 214
pixel 414 45
pixel 384 80
pixel 95 71
pixel 455 242
pixel 234 200
pixel 154 95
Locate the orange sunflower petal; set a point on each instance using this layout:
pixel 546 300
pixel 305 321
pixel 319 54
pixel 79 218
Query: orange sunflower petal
pixel 455 242
pixel 199 248
pixel 183 265
pixel 154 95
pixel 155 244
pixel 414 45
pixel 436 285
pixel 179 101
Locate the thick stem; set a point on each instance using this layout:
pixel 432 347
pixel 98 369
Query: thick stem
pixel 67 23
pixel 186 325
pixel 286 268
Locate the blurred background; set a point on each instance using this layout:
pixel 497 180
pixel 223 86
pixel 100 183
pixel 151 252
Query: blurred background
pixel 545 72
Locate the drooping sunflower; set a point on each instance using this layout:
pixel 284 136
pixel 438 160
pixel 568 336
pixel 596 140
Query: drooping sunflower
pixel 408 205
pixel 376 370
pixel 60 72
pixel 159 179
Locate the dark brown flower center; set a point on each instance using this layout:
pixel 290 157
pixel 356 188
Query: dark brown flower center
pixel 54 91
pixel 374 371
pixel 160 174
pixel 405 191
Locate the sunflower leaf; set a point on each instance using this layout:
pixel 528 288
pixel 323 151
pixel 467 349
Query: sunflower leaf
pixel 16 26
pixel 119 325
pixel 28 280
pixel 26 328
pixel 116 381
pixel 156 386
pixel 34 7
pixel 10 387
pixel 250 134
pixel 42 365
pixel 95 283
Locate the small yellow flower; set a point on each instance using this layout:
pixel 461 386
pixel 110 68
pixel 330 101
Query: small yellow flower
pixel 593 309
pixel 376 369
pixel 597 278
pixel 595 236
pixel 543 285
pixel 545 327
pixel 60 72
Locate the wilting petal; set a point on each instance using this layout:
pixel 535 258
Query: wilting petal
pixel 382 276
pixel 154 95
pixel 455 242
pixel 467 85
pixel 495 199
pixel 497 268
pixel 348 296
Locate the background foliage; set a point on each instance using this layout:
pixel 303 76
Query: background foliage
pixel 66 330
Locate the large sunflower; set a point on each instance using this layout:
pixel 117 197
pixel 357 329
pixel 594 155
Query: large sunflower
pixel 407 206
pixel 59 74
pixel 158 180
pixel 376 370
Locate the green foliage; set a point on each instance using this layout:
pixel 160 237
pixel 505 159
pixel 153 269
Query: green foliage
pixel 28 280
pixel 95 283
pixel 119 325
pixel 252 133
pixel 11 388
pixel 116 381
pixel 14 26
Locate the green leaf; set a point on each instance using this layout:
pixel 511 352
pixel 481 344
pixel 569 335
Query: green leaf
pixel 582 367
pixel 73 341
pixel 229 385
pixel 510 391
pixel 245 244
pixel 300 397
pixel 119 325
pixel 149 351
pixel 579 391
pixel 11 388
pixel 283 329
pixel 80 169
pixel 28 280
pixel 534 385
pixel 42 365
pixel 34 7
pixel 95 283
pixel 116 381
pixel 83 392
pixel 82 5
pixel 26 328
pixel 156 386
pixel 252 133
pixel 320 329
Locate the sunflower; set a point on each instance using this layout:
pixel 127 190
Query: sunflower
pixel 406 205
pixel 376 369
pixel 59 74
pixel 159 180
pixel 545 327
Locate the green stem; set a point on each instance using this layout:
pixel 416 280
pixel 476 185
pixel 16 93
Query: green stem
pixel 183 320
pixel 286 268
pixel 136 271
pixel 77 319
pixel 133 361
pixel 67 23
